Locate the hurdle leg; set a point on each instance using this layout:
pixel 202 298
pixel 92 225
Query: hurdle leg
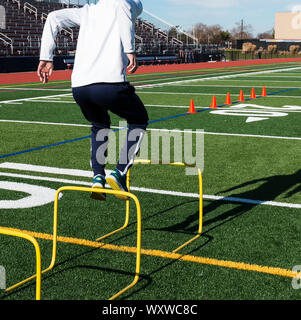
pixel 54 245
pixel 7 231
pixel 138 252
pixel 138 248
pixel 200 215
pixel 200 178
pixel 127 212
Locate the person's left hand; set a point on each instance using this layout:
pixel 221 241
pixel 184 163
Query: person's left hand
pixel 45 70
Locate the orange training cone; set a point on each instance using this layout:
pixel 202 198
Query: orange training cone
pixel 213 103
pixel 253 95
pixel 228 99
pixel 264 92
pixel 191 108
pixel 241 96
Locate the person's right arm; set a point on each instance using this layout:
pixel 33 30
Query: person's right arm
pixel 56 21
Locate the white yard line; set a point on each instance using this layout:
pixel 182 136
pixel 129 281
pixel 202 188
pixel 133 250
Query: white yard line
pixel 36 98
pixel 46 123
pixel 44 100
pixel 260 80
pixel 170 106
pixel 227 86
pixel 253 136
pixel 251 110
pixel 280 76
pixel 183 93
pixel 162 192
pixel 53 101
pixel 152 129
pixel 33 89
pixel 45 169
pixel 207 94
pixel 228 76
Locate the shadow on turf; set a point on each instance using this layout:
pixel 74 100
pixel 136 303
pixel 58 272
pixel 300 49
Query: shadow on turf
pixel 269 190
pixel 56 272
pixel 271 187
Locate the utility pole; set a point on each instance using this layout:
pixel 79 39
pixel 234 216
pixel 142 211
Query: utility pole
pixel 241 28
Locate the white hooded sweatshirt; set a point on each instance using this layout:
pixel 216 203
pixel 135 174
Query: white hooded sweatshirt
pixel 106 34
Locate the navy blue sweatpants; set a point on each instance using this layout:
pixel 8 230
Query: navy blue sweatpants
pixel 96 101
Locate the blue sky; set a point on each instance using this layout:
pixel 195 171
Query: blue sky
pixel 259 13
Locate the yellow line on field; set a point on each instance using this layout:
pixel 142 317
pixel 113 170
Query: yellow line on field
pixel 169 255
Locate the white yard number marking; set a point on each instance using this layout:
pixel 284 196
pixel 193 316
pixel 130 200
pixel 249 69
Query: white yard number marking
pixel 253 114
pixel 38 196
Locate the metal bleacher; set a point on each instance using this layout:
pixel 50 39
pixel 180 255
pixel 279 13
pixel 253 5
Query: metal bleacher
pixel 22 26
pixel 24 22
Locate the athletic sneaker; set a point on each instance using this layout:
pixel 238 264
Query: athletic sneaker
pixel 99 181
pixel 117 181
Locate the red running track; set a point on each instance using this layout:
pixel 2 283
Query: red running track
pixel 27 77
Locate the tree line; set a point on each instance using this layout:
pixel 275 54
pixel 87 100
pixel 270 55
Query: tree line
pixel 215 34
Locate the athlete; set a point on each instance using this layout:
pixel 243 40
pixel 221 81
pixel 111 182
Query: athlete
pixel 105 51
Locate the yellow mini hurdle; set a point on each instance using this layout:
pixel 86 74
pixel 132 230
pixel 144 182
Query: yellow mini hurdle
pixel 200 178
pixel 55 223
pixel 9 232
pixel 129 196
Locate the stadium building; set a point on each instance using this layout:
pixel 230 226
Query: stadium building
pixel 288 26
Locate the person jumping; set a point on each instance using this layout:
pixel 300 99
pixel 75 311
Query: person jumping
pixel 105 51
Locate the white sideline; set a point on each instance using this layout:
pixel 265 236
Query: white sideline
pixel 88 173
